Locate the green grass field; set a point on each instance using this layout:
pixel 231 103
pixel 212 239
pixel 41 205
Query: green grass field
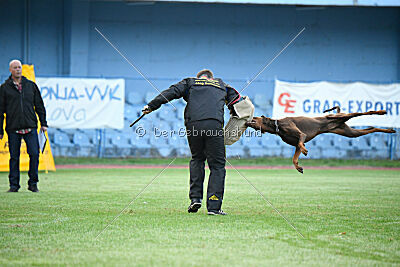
pixel 347 217
pixel 267 161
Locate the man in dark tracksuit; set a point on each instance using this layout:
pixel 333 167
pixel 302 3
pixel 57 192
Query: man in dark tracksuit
pixel 20 100
pixel 204 120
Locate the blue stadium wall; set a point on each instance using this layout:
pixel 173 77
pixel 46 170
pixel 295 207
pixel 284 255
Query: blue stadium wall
pixel 170 41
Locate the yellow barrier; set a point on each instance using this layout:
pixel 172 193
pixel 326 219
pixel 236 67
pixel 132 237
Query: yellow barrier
pixel 46 160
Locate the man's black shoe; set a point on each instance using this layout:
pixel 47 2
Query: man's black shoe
pixel 216 212
pixel 33 188
pixel 195 205
pixel 12 190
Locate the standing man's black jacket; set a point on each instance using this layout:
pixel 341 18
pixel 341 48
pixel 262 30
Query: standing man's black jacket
pixel 19 107
pixel 205 98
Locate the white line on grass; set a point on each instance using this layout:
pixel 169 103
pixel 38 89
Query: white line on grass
pixel 269 202
pixel 133 66
pixel 152 180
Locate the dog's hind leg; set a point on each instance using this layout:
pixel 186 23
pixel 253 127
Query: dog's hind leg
pixel 351 132
pixel 348 116
pixel 296 160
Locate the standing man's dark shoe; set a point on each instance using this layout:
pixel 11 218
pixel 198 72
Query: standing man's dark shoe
pixel 12 190
pixel 33 188
pixel 216 212
pixel 195 205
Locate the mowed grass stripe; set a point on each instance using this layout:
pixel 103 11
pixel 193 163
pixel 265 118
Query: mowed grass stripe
pixel 348 217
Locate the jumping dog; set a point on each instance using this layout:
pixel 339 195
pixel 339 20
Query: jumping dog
pixel 297 131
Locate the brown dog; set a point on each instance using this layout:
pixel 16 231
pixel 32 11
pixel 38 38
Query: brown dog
pixel 296 131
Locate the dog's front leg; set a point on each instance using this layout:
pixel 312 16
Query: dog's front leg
pixel 301 143
pixel 292 130
pixel 296 160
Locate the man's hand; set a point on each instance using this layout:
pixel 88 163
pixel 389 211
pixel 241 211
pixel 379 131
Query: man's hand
pixel 146 109
pixel 43 128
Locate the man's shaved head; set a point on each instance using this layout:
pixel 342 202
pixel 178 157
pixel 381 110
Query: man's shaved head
pixel 15 61
pixel 16 68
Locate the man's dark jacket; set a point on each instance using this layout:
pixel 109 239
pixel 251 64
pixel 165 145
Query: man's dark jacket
pixel 205 98
pixel 20 107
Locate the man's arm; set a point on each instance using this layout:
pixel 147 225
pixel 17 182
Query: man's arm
pixel 39 108
pixel 173 92
pixel 232 96
pixel 2 110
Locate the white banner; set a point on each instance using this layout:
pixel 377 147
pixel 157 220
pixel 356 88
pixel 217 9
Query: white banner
pixel 83 103
pixel 311 99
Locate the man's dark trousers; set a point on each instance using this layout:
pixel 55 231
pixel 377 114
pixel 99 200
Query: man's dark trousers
pixel 206 141
pixel 32 144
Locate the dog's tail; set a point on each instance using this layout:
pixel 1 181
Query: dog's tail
pixel 336 107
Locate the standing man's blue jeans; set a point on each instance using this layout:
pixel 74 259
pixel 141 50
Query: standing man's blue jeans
pixel 32 145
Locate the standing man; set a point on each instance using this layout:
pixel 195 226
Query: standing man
pixel 204 120
pixel 20 100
